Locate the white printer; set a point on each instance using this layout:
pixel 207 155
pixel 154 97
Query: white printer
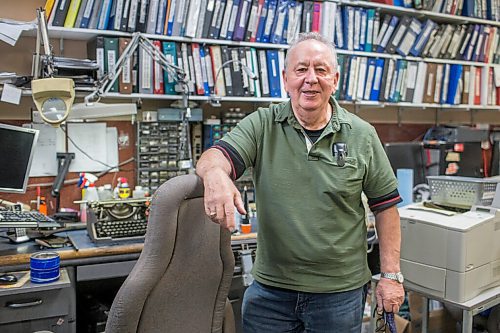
pixel 451 257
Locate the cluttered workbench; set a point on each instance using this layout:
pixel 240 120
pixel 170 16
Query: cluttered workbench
pixel 85 268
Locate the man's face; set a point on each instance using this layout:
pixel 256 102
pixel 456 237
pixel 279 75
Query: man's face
pixel 310 77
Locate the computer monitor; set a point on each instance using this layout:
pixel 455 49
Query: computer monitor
pixel 17 146
pixel 408 155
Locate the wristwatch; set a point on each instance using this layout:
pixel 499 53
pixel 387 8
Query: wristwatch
pixel 393 276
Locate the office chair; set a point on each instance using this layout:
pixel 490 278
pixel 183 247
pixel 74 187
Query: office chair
pixel 181 281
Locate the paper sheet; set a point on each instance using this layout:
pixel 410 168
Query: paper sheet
pixel 11 94
pixel 112 147
pixel 97 141
pixel 10 30
pixel 45 155
pixel 91 138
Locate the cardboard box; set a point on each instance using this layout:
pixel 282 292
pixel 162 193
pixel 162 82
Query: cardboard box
pixel 440 320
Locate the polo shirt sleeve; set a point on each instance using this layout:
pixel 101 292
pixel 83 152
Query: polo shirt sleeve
pixel 234 158
pixel 380 184
pixel 244 140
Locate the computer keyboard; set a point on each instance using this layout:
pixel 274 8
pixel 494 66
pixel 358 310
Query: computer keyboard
pixel 12 219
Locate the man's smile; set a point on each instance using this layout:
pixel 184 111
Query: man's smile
pixel 310 93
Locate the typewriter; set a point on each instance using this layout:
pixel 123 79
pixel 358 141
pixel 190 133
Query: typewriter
pixel 117 220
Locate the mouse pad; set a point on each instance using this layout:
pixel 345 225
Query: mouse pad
pixel 22 278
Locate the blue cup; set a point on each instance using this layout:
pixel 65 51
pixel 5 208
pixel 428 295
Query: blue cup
pixel 44 267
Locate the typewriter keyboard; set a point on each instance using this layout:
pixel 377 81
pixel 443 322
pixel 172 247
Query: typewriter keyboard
pixel 120 228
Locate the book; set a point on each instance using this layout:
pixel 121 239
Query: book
pixel 273 73
pixel 307 16
pixel 466 84
pixel 422 38
pixel 396 37
pixel 95 51
pixel 217 18
pixel 125 79
pixel 377 80
pixel 73 9
pixel 169 50
pixel 454 83
pixel 268 24
pixel 60 12
pixel 226 19
pixel 241 20
pixel 209 14
pixel 226 56
pixel 79 16
pixel 104 14
pixel 132 16
pixel 370 77
pixel 145 72
pixel 110 58
pixel 116 13
pixel 264 77
pixel 418 94
pixel 232 21
pixel 192 18
pixel 409 38
pixel 411 81
pixel 219 84
pixel 209 69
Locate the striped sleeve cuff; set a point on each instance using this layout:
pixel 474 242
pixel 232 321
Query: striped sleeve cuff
pixel 385 201
pixel 234 158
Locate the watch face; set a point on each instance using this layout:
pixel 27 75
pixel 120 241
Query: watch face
pixel 400 277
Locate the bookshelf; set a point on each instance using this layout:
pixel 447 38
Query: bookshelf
pixel 485 69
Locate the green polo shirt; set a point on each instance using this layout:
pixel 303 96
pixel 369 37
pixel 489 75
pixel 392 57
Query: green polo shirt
pixel 312 232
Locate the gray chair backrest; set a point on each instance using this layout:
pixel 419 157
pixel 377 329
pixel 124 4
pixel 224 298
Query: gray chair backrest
pixel 181 281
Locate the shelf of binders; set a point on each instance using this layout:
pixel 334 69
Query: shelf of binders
pixel 400 40
pixel 89 34
pixel 419 13
pixel 360 103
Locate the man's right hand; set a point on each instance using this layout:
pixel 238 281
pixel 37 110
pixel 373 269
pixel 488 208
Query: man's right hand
pixel 221 196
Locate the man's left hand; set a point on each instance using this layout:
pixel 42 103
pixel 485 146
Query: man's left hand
pixel 390 295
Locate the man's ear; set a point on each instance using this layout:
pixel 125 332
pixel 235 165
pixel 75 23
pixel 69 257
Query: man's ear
pixel 336 81
pixel 283 74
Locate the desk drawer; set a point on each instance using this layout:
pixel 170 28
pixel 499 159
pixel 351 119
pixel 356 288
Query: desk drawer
pixel 35 305
pixel 55 325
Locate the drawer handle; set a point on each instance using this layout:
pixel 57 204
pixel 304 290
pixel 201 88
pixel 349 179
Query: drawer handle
pixel 23 305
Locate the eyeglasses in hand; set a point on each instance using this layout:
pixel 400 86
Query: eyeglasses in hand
pixel 385 321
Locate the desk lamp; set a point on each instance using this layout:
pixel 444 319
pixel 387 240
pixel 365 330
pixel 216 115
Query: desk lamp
pixel 53 97
pixel 91 107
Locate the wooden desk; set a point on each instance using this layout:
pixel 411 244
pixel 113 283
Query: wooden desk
pixel 484 301
pixel 17 256
pixel 91 265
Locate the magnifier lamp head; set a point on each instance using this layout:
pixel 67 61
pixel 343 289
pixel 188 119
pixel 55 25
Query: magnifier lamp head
pixel 53 98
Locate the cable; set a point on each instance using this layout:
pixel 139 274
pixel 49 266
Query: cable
pixel 75 180
pixel 83 152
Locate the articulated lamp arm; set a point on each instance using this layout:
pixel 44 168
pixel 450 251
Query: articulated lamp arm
pixel 138 41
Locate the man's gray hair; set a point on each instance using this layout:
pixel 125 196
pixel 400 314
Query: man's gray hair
pixel 314 36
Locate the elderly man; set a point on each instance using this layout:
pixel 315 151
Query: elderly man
pixel 311 161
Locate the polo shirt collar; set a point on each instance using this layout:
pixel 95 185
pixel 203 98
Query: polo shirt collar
pixel 340 115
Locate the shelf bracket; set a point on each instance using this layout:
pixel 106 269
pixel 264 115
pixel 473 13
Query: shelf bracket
pixel 61 46
pixel 400 117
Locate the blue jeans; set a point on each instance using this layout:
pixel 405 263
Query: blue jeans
pixel 271 310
